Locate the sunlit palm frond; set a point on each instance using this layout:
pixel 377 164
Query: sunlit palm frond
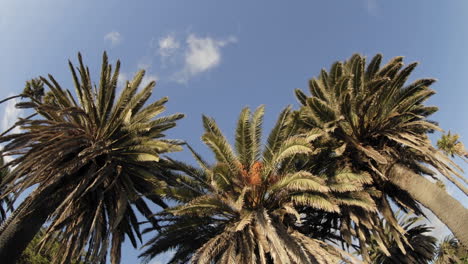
pixel 251 203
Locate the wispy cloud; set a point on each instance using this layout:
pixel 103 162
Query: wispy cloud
pixel 10 116
pixel 201 55
pixel 167 46
pixel 182 58
pixel 114 37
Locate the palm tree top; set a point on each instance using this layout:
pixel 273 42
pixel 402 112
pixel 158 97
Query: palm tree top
pixel 451 145
pixel 249 195
pixel 93 157
pixel 372 112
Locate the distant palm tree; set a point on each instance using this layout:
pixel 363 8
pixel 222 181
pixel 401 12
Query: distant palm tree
pixel 372 122
pixel 242 209
pixel 420 249
pixel 450 251
pixel 91 162
pixel 451 145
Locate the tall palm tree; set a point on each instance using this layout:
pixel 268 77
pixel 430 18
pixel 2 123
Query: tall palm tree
pixel 242 209
pixel 451 145
pixel 420 249
pixel 450 251
pixel 91 161
pixel 375 123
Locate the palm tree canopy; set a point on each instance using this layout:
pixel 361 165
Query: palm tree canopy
pixel 369 119
pixel 451 145
pixel 374 119
pixel 94 157
pixel 242 208
pixel 420 249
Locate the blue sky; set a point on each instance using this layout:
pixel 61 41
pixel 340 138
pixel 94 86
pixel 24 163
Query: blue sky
pixel 215 57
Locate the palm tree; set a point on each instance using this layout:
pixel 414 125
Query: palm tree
pixel 452 146
pixel 91 162
pixel 374 123
pixel 420 249
pixel 450 251
pixel 242 209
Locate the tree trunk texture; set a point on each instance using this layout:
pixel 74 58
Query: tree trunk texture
pixel 21 230
pixel 448 209
pixel 18 231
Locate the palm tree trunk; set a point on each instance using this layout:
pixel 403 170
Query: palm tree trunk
pixel 24 223
pixel 449 210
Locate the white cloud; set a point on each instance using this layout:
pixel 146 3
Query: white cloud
pixel 114 37
pixel 167 46
pixel 202 54
pixel 10 116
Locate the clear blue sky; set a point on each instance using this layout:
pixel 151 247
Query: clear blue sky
pixel 215 57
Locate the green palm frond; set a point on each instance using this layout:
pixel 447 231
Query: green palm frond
pixel 370 119
pixel 451 145
pixel 93 157
pixel 252 200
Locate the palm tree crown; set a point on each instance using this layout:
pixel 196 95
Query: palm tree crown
pixel 373 115
pixel 92 159
pixel 372 121
pixel 242 209
pixel 451 145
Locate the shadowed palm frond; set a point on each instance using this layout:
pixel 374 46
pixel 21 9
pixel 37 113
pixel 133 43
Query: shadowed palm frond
pixel 5 202
pixel 92 156
pixel 421 246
